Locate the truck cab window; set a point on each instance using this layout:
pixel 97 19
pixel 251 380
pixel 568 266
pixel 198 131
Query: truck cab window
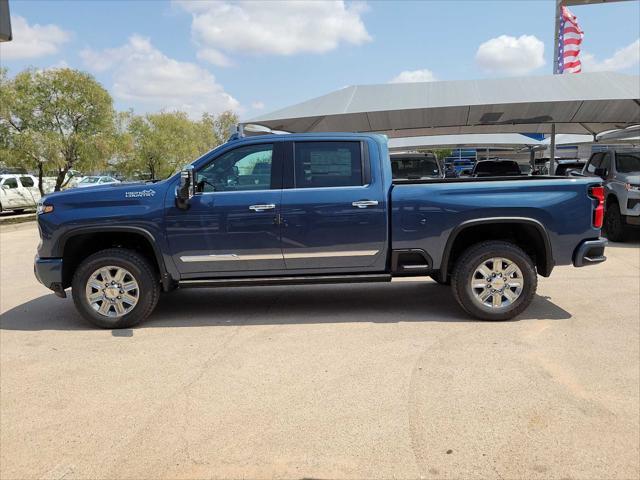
pixel 26 181
pixel 245 168
pixel 327 164
pixel 10 183
pixel 596 159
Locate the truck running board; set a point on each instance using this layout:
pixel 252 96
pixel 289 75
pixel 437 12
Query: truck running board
pixel 293 280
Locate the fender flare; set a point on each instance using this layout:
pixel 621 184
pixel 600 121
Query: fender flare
pixel 164 274
pixel 549 264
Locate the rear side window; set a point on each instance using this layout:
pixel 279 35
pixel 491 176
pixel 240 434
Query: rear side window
pixel 628 162
pixel 595 162
pixel 328 164
pixel 26 181
pixel 11 183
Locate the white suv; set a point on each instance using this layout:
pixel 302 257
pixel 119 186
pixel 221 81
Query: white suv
pixel 18 192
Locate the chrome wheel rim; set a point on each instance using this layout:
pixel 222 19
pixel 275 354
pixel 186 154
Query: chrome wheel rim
pixel 112 291
pixel 497 283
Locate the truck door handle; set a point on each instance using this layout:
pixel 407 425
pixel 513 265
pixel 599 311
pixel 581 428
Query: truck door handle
pixel 262 208
pixel 365 203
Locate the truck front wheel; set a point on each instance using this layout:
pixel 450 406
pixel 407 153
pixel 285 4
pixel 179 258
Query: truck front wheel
pixel 614 223
pixel 494 280
pixel 115 288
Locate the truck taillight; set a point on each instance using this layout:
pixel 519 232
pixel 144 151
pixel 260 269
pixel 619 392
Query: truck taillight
pixel 598 213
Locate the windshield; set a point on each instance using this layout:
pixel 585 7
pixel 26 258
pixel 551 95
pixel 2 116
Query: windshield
pixel 415 167
pixel 89 180
pixel 628 162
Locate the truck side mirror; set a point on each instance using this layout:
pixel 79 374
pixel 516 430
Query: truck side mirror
pixel 186 188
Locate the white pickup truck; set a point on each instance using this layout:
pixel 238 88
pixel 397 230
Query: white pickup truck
pixel 18 192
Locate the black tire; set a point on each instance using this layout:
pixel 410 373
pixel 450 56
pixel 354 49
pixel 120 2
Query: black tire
pixel 439 281
pixel 613 223
pixel 472 258
pixel 140 269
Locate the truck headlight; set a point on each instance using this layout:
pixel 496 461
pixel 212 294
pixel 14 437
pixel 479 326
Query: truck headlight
pixel 44 208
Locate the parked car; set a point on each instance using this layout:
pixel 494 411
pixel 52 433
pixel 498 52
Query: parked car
pixel 93 181
pixel 496 168
pixel 620 170
pixel 327 212
pixel 565 165
pixel 415 166
pixel 18 192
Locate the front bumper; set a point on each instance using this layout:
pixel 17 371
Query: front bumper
pixel 48 271
pixel 633 220
pixel 589 252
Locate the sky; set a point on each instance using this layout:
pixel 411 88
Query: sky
pixel 254 57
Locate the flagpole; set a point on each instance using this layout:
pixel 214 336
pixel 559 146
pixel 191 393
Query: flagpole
pixel 556 71
pixel 556 42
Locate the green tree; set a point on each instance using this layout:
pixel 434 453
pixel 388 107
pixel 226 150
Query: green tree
pixel 57 120
pixel 163 142
pixel 442 153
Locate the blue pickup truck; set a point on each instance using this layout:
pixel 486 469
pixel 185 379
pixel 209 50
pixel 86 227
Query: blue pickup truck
pixel 312 208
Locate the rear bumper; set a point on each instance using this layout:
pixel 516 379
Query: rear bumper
pixel 48 271
pixel 589 252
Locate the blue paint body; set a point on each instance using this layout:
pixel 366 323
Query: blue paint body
pixel 420 215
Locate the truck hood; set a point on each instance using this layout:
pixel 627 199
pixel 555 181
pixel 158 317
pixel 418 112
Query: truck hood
pixel 633 178
pixel 113 194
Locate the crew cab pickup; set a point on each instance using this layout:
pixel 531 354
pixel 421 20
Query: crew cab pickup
pixel 312 208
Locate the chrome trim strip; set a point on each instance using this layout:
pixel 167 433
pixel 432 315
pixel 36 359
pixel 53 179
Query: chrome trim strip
pixel 347 253
pixel 229 257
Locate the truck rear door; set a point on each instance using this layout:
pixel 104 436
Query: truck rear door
pixel 334 207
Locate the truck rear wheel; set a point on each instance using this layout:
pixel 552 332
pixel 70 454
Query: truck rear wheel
pixel 115 288
pixel 494 280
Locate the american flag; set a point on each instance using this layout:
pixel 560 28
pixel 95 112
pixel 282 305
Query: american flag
pixel 570 39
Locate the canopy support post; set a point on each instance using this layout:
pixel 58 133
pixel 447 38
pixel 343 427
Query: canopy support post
pixel 552 153
pixel 532 158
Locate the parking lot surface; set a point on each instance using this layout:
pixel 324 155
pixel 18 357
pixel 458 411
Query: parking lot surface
pixel 357 381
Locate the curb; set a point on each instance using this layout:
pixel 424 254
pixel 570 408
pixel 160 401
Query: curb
pixel 6 221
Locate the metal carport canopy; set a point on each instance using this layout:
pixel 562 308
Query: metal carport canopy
pixel 586 103
pixel 473 140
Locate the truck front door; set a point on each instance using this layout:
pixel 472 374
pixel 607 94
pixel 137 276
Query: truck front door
pixel 334 208
pixel 231 227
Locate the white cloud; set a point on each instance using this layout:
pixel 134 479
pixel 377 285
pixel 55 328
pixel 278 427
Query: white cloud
pixel 143 74
pixel 32 41
pixel 511 55
pixel 408 76
pixel 213 56
pixel 622 59
pixel 275 27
